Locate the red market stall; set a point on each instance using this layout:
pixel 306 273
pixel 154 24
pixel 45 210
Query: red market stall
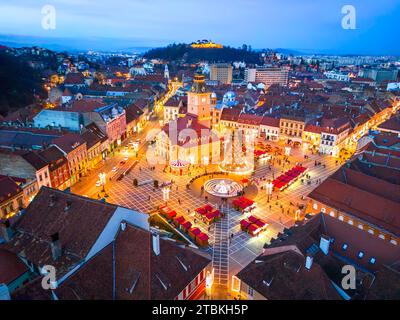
pixel 244 224
pixel 171 214
pixel 202 240
pixel 194 232
pixel 243 204
pixel 209 218
pixel 253 225
pixel 289 177
pixel 252 229
pixel 212 216
pixel 200 211
pixel 185 226
pixel 178 220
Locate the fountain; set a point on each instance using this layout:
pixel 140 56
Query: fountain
pixel 222 187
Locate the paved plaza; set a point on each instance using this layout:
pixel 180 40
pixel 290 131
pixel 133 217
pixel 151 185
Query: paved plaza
pixel 230 248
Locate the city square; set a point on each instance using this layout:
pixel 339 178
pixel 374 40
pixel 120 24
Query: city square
pixel 224 153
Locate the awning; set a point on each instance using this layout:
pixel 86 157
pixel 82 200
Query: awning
pixel 195 231
pixel 187 224
pixel 203 237
pixel 179 219
pixel 179 164
pixel 244 223
pixel 253 219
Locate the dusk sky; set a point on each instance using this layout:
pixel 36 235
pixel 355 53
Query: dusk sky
pixel 293 24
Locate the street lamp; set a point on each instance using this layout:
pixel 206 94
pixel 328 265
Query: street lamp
pixel 166 190
pixel 269 187
pixel 102 177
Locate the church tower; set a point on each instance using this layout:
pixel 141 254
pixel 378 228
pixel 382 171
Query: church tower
pixel 166 72
pixel 199 100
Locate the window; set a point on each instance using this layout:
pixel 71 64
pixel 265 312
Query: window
pixel 323 210
pixel 360 226
pixel 315 206
pixel 350 222
pixel 341 218
pixel 332 214
pixel 250 291
pixel 344 246
pixel 372 260
pixel 360 255
pixel 332 240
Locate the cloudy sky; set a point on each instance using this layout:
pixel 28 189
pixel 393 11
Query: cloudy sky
pixel 294 24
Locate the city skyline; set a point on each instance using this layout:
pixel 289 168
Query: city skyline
pixel 305 27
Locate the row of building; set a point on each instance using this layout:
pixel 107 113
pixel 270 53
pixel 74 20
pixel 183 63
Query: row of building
pixel 322 127
pixel 352 223
pixel 56 146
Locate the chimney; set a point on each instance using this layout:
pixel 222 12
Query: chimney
pixel 6 231
pixel 156 244
pixel 309 261
pixel 55 246
pixel 324 244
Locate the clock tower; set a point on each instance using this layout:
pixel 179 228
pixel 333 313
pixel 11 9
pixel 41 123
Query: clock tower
pixel 199 100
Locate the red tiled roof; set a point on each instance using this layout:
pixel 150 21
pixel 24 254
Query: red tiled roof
pixel 79 226
pixel 8 188
pixel 139 273
pixel 11 267
pixel 74 78
pixel 283 276
pixel 84 105
pixel 348 196
pixel 392 124
pixel 230 114
pixel 69 142
pixel 270 121
pixel 250 119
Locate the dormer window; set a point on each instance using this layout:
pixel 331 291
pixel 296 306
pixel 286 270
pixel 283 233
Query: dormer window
pixel 360 255
pixel 344 246
pixel 372 260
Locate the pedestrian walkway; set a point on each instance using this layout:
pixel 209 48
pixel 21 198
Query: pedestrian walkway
pixel 220 258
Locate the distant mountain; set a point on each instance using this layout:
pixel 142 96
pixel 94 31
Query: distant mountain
pixel 184 52
pixel 78 45
pixel 289 51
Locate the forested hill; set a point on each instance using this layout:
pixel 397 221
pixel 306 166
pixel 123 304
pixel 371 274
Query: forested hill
pixel 19 83
pixel 184 52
